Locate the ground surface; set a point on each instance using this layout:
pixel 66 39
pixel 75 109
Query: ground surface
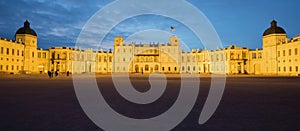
pixel 35 102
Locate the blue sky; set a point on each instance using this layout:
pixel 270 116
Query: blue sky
pixel 59 22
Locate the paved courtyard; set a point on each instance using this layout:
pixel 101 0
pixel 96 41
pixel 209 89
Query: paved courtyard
pixel 35 102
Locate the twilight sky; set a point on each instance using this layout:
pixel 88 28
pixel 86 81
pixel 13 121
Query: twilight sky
pixel 59 22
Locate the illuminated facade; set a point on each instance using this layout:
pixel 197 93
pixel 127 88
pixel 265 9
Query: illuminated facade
pixel 279 56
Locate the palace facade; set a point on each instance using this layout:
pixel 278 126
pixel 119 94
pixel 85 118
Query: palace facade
pixel 279 56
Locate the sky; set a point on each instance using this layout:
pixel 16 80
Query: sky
pixel 59 22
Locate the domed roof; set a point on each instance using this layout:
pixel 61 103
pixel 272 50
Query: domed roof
pixel 26 29
pixel 274 29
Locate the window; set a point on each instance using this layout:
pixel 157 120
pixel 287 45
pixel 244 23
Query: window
pixel 44 55
pixel 13 52
pixel 1 67
pixel 284 69
pixel 290 68
pixel 22 53
pixel 163 68
pixel 18 52
pixel 1 50
pixel 7 51
pixel 17 67
pixel 279 69
pixel 296 68
pixel 254 55
pixel 259 55
pixel 189 68
pixel 12 67
pixel 296 51
pixel 183 68
pixel 6 67
pixel 169 68
pixel 175 69
pixel 39 55
pixel 283 53
pixel 290 52
pixel 32 54
pixel 110 59
pixel 278 54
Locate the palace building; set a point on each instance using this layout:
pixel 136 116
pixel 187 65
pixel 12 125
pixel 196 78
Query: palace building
pixel 279 56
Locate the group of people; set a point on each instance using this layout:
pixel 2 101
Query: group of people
pixel 51 74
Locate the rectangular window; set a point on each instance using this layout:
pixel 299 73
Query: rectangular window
pixel 279 69
pixel 290 52
pixel 12 51
pixel 39 55
pixel 44 55
pixel 254 55
pixel 1 67
pixel 278 55
pixel 6 67
pixel 32 54
pixel 17 67
pixel 7 51
pixel 284 69
pixel 22 53
pixel 290 68
pixel 297 68
pixel 18 52
pixel 12 67
pixel 283 53
pixel 296 51
pixel 1 50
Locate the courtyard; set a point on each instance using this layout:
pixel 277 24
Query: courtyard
pixel 36 102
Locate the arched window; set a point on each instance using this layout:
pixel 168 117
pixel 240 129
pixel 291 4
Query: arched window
pixel 156 67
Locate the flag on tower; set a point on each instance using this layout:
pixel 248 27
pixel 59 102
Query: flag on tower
pixel 172 28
